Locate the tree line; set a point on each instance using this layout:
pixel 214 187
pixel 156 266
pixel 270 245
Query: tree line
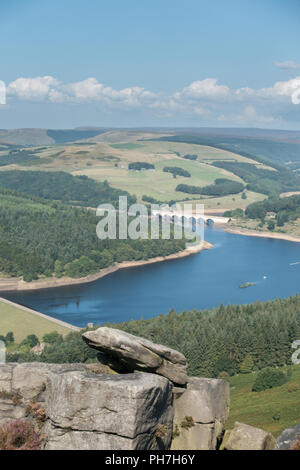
pixel 141 166
pixel 286 209
pixel 61 186
pixel 39 237
pixel 177 171
pixel 218 342
pixel 221 187
pixel 261 180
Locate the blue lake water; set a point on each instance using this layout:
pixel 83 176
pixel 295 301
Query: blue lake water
pixel 200 281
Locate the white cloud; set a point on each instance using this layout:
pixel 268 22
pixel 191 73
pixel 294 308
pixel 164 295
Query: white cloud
pixel 207 88
pixel 91 90
pixel 287 65
pixel 249 116
pixel 2 93
pixel 37 88
pixel 203 99
pixel 288 89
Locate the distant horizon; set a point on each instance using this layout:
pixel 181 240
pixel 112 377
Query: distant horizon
pixel 141 128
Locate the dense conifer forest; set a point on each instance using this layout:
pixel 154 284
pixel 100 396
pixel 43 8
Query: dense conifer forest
pixel 61 186
pixel 225 340
pixel 40 237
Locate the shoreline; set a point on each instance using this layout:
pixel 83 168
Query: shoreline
pixel 17 284
pixel 256 233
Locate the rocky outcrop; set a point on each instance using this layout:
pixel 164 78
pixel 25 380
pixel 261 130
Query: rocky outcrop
pixel 91 407
pixel 133 411
pixel 245 437
pixel 85 408
pixel 288 439
pixel 127 353
pixel 200 412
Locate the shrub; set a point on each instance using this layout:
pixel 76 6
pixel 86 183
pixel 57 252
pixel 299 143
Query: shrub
pixel 296 445
pixel 37 412
pixel 223 375
pixel 9 338
pixel 30 340
pixel 176 432
pixel 293 387
pixel 190 157
pixel 269 378
pixel 141 166
pixel 175 170
pixel 52 338
pixel 188 422
pixel 161 431
pixel 19 435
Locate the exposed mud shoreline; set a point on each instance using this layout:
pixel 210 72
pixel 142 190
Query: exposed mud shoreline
pixel 17 284
pixel 256 233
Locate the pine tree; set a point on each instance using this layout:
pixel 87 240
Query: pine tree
pixel 247 364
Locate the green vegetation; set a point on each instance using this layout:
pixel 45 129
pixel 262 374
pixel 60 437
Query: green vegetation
pixel 247 284
pixel 287 153
pixel 232 342
pixel 222 187
pixel 177 171
pixel 269 378
pixel 21 323
pixel 232 339
pixel 159 185
pixel 221 338
pixel 190 157
pixel 126 146
pixel 285 209
pixel 23 157
pixel 39 238
pixel 61 186
pixel 247 365
pixel 141 166
pixel 234 213
pixel 261 180
pixel 274 409
pixel 59 350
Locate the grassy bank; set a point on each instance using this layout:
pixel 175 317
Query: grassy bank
pixel 23 323
pixel 273 410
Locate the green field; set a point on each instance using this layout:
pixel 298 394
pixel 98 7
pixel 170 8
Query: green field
pixel 108 159
pixel 23 323
pixel 272 410
pixel 127 146
pixel 222 204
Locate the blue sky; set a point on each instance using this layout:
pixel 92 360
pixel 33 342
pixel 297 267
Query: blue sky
pixel 150 63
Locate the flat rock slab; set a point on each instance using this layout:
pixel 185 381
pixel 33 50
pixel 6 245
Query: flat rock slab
pixel 129 353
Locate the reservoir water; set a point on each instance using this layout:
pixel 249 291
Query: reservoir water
pixel 200 281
